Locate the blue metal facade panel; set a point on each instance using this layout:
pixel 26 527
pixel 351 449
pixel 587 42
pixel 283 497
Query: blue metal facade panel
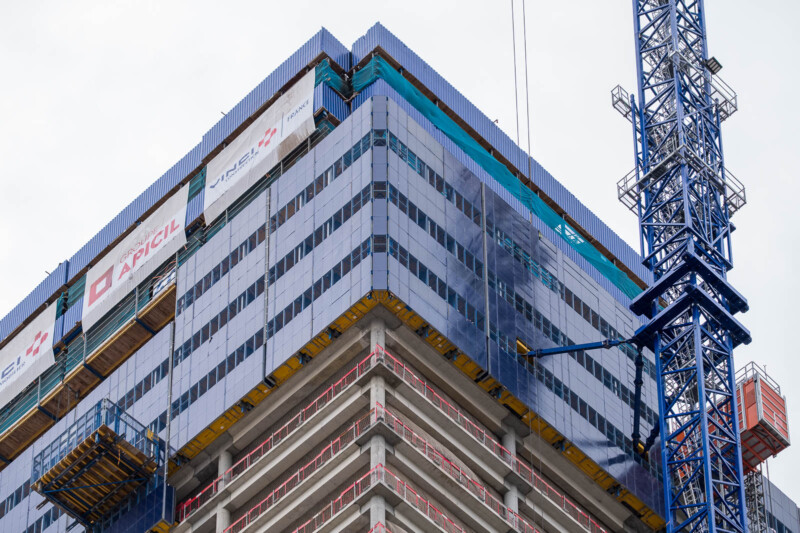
pixel 506 322
pixel 194 209
pixel 379 36
pixel 325 97
pixel 781 508
pixel 72 316
pixel 38 296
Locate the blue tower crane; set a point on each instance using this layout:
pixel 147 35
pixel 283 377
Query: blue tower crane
pixel 684 198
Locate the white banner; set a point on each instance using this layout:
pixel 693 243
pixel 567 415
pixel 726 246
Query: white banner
pixel 130 262
pixel 28 354
pixel 287 123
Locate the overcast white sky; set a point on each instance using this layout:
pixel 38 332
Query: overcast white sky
pixel 98 99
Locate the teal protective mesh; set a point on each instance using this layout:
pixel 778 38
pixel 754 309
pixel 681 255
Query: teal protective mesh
pixel 379 68
pixel 325 74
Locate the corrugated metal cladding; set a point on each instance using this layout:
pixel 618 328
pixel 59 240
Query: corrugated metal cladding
pixel 194 209
pixel 325 97
pixel 323 41
pixel 48 287
pixel 72 316
pixel 378 35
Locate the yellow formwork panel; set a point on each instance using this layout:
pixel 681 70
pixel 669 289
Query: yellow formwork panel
pixel 461 361
pixel 280 375
pixel 162 527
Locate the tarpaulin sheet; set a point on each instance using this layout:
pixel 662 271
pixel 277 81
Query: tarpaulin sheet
pixel 131 261
pixel 284 125
pixel 27 355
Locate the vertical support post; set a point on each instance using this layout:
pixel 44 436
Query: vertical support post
pixel 377 334
pixel 377 444
pixel 168 434
pixel 511 495
pixel 266 281
pixel 637 399
pixel 224 463
pixel 485 246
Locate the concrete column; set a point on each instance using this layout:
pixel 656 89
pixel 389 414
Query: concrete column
pixel 223 519
pixel 509 440
pixel 377 451
pixel 511 496
pixel 377 334
pixel 377 391
pixel 224 462
pixel 377 504
pixel 377 511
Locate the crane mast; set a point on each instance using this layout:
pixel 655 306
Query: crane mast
pixel 684 198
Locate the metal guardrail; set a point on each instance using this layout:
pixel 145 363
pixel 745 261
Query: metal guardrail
pixel 84 345
pixel 376 357
pixel 347 437
pixel 104 413
pixel 750 370
pixel 526 472
pixel 191 505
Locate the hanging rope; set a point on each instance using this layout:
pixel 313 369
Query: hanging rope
pixel 514 48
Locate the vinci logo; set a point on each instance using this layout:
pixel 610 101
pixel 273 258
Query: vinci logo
pixel 23 360
pixel 131 261
pixel 262 148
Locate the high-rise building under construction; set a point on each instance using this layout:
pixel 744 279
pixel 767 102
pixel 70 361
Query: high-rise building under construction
pixel 318 320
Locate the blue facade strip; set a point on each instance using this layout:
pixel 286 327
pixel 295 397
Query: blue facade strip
pixel 325 97
pixel 781 510
pixel 379 36
pixel 322 42
pixel 72 316
pixel 38 296
pixel 194 208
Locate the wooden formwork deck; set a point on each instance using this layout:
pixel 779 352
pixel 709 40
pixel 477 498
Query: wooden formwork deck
pixel 96 476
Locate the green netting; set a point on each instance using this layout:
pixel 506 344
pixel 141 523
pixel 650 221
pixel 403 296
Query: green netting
pixel 197 183
pixel 379 68
pixel 325 74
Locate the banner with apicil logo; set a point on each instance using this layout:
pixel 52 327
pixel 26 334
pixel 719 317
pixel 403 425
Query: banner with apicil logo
pixel 130 262
pixel 27 355
pixel 287 123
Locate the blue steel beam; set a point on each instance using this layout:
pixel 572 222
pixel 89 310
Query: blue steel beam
pixel 684 203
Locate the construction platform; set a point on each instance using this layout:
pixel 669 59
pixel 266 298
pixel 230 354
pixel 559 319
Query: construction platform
pixel 763 423
pixel 97 463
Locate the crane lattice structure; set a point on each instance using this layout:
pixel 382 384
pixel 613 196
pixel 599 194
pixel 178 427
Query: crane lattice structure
pixel 684 198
